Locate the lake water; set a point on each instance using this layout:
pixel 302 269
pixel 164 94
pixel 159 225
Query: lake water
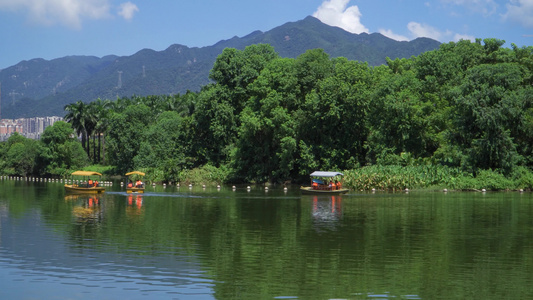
pixel 195 243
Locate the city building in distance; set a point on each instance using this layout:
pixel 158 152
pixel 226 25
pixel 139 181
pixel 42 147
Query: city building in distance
pixel 29 127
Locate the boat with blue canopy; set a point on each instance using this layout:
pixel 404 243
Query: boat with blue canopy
pixel 325 182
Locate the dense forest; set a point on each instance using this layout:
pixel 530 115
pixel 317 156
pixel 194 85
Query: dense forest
pixel 461 112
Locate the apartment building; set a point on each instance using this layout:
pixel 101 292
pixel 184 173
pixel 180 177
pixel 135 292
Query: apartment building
pixel 29 127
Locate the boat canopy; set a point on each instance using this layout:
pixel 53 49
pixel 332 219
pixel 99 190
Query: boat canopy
pixel 85 173
pixel 135 173
pixel 325 174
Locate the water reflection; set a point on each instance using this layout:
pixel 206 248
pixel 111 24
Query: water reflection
pixel 327 211
pixel 135 203
pixel 255 245
pixel 86 208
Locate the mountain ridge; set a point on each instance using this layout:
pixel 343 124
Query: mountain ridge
pixel 39 87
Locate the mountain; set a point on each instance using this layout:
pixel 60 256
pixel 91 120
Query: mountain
pixel 42 88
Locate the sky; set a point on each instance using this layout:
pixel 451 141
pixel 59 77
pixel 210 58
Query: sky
pixel 52 29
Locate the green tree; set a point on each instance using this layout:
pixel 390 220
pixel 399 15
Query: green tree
pixel 216 126
pixel 333 123
pixel 311 67
pixel 266 146
pixel 489 107
pixel 21 155
pixel 61 151
pixel 77 116
pixel 235 70
pixel 165 146
pixel 400 119
pixel 125 134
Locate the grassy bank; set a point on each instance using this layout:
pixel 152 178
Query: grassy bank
pixel 434 177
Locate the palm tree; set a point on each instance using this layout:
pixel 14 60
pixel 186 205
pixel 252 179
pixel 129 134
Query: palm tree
pixel 100 110
pixel 76 116
pixel 90 127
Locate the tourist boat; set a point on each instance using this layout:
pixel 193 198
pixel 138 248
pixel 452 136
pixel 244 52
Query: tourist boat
pixel 85 186
pixel 134 187
pixel 325 182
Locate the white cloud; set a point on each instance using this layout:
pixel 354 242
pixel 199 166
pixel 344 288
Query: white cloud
pixel 127 10
pixel 388 33
pixel 70 13
pixel 336 13
pixel 423 30
pixel 520 11
pixel 457 37
pixel 417 30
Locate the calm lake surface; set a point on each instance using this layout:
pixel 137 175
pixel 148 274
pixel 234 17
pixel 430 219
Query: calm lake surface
pixel 182 243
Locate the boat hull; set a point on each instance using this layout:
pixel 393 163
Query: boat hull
pixel 134 190
pixel 74 189
pixel 310 190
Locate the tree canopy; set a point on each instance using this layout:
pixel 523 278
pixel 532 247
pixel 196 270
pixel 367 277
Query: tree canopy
pixel 466 105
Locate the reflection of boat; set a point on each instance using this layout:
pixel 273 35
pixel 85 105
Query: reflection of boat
pixel 138 201
pixel 87 186
pixel 134 187
pixel 323 182
pixel 327 211
pixel 331 205
pixel 89 208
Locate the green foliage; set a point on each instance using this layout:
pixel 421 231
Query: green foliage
pixel 164 146
pixel 458 117
pixel 124 134
pixel 208 175
pixel 61 152
pixel 21 158
pixel 396 177
pixel 523 178
pixel 487 107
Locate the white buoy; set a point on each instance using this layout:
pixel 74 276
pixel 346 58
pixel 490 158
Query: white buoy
pixel 445 190
pixel 203 186
pixel 483 190
pixel 521 190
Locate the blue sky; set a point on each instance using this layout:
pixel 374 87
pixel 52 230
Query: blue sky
pixel 55 28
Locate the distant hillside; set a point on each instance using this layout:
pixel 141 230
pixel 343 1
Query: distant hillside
pixel 42 88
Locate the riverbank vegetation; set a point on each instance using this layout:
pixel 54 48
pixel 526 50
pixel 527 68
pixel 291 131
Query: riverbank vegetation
pixel 459 117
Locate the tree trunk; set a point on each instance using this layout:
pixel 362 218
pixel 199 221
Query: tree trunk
pixel 103 151
pixel 88 140
pixel 95 160
pixel 99 147
pixel 84 143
